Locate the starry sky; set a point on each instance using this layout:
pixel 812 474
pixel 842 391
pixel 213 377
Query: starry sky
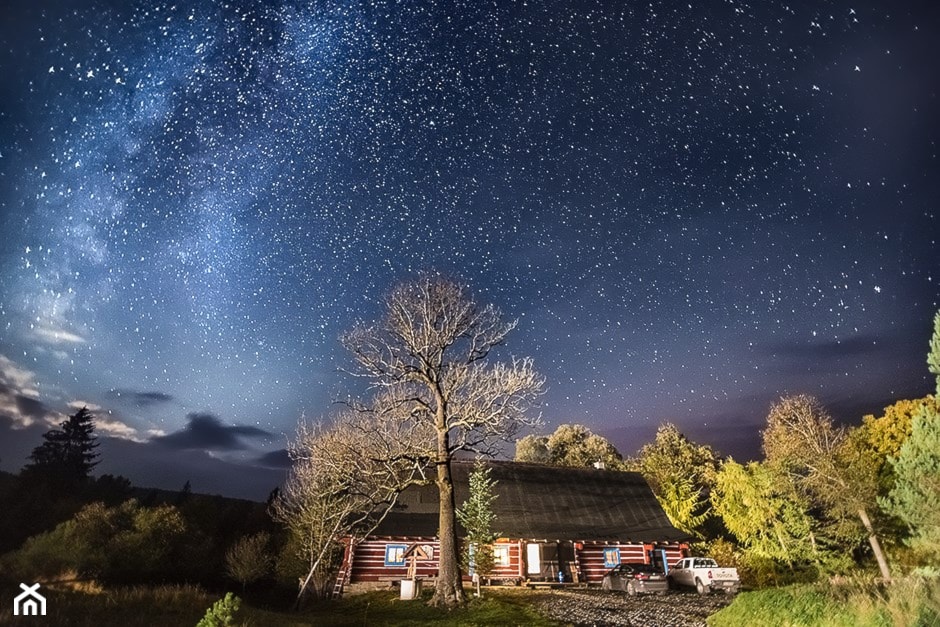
pixel 691 209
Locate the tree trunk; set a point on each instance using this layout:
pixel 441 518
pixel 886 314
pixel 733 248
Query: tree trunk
pixel 875 545
pixel 304 583
pixel 449 590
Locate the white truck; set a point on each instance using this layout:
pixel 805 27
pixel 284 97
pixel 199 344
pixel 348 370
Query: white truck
pixel 704 574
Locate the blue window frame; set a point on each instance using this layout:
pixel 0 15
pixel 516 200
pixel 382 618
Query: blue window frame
pixel 395 554
pixel 611 557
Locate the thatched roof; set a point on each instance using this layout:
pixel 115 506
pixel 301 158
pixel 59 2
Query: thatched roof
pixel 536 502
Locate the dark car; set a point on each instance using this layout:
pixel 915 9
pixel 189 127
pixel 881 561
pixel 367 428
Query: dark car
pixel 635 578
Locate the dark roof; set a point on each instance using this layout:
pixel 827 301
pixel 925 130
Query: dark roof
pixel 536 502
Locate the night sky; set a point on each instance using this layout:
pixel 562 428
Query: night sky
pixel 691 208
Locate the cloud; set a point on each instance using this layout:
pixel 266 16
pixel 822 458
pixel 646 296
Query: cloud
pixel 117 429
pixel 31 408
pixel 106 424
pixel 140 398
pixel 53 335
pixel 78 404
pixel 856 346
pixel 19 397
pixel 148 464
pixel 206 431
pixel 19 378
pixel 275 459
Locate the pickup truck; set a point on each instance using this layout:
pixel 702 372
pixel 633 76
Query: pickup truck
pixel 704 574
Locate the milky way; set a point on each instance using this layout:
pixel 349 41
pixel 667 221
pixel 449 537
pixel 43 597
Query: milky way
pixel 691 208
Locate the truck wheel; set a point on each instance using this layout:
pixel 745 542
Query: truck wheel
pixel 700 587
pixel 671 583
pixel 631 589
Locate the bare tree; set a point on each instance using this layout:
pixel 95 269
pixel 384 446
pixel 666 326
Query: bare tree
pixel 427 359
pixel 344 480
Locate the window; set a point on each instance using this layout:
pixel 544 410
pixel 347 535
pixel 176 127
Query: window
pixel 611 557
pixel 395 554
pixel 501 555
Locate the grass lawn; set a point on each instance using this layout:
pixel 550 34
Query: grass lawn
pixel 908 602
pixel 172 606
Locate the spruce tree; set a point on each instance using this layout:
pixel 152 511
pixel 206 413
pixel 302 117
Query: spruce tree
pixel 915 498
pixel 67 454
pixel 477 516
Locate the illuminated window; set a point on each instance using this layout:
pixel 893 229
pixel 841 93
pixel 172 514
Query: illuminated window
pixel 395 554
pixel 611 557
pixel 501 555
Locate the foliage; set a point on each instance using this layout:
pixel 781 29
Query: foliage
pixel 880 439
pixel 681 474
pixel 124 543
pixel 933 355
pixel 683 504
pixel 335 491
pixel 569 445
pixel 533 449
pixel 67 454
pixel 154 606
pixel 915 498
pixel 766 517
pixel 802 442
pixel 437 392
pixel 249 559
pixel 222 613
pixel 672 455
pixel 476 515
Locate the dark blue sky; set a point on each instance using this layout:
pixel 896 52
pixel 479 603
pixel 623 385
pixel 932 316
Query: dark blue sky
pixel 690 209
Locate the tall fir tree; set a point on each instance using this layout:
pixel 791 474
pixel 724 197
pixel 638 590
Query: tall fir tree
pixel 67 454
pixel 915 498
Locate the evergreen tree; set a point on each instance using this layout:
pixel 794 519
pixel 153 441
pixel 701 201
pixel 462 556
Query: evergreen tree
pixel 915 498
pixel 67 454
pixel 476 515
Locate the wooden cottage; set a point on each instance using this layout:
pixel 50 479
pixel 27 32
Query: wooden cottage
pixel 579 522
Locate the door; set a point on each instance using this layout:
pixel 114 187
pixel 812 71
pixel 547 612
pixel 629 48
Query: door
pixel 533 555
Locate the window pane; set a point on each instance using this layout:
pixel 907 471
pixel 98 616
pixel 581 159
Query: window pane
pixel 611 557
pixel 394 554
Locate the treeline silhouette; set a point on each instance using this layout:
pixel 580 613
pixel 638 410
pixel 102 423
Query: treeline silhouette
pixel 59 521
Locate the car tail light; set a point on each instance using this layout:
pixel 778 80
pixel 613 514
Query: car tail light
pixel 709 574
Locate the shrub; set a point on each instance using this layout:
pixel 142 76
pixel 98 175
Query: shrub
pixel 249 559
pixel 125 543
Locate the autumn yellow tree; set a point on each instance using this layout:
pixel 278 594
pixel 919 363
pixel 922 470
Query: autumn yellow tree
pixel 764 514
pixel 802 441
pixel 569 445
pixel 681 474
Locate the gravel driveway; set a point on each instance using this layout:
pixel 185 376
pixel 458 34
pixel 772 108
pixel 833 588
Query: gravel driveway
pixel 596 608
